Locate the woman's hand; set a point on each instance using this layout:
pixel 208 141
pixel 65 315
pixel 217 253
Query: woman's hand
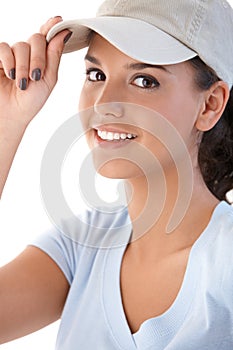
pixel 28 74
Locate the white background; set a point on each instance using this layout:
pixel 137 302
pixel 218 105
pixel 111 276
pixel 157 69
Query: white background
pixel 22 215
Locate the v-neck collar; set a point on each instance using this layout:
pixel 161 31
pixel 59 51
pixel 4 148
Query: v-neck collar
pixel 157 331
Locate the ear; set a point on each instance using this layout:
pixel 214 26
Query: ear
pixel 215 100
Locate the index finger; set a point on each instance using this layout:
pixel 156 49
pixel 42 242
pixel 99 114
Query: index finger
pixel 49 24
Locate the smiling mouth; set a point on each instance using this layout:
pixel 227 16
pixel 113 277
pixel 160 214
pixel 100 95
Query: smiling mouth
pixel 114 136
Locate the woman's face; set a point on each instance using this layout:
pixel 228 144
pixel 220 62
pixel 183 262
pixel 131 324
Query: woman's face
pixel 133 108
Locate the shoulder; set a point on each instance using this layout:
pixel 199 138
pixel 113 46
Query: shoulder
pixel 214 248
pixel 213 257
pixel 98 228
pixel 223 222
pixel 70 239
pixel 220 254
pixel 217 238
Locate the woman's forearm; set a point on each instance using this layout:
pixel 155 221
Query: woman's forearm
pixel 11 134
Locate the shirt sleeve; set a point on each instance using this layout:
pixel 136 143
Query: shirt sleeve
pixel 91 230
pixel 61 249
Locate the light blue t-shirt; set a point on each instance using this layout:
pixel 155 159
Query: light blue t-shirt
pixel 201 317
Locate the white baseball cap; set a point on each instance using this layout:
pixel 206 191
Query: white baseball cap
pixel 161 31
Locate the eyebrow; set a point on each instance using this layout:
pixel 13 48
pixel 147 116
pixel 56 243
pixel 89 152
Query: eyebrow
pixel 134 66
pixel 92 59
pixel 139 66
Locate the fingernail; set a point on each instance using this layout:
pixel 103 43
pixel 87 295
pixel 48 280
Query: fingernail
pixel 36 74
pixel 23 84
pixel 67 37
pixel 12 73
pixel 54 17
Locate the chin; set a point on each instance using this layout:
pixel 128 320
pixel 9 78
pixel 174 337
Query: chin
pixel 119 169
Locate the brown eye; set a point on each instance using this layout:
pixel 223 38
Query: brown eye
pixel 146 82
pixel 95 75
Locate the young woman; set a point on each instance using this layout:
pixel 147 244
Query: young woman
pixel 156 103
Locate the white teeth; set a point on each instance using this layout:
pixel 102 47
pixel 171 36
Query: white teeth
pixel 116 136
pixel 111 136
pixel 123 136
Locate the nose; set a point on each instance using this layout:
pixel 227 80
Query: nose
pixel 114 109
pixel 109 101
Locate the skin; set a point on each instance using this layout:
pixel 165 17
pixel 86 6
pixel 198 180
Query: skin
pixel 33 289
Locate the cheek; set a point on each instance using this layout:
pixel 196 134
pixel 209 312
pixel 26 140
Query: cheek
pixel 89 137
pixel 85 99
pixel 85 109
pixel 182 113
pixel 160 150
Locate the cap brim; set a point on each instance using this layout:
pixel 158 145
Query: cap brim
pixel 135 38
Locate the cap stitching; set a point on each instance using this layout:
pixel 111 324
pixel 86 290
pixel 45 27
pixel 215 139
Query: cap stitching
pixel 120 4
pixel 196 22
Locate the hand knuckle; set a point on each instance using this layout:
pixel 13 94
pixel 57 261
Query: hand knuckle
pixel 36 37
pixel 42 28
pixel 39 36
pixel 4 45
pixel 20 45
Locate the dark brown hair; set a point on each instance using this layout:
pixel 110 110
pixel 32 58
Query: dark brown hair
pixel 215 154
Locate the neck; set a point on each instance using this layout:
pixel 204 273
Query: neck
pixel 156 214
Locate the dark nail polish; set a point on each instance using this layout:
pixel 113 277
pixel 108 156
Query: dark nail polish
pixel 36 74
pixel 12 73
pixel 54 17
pixel 67 37
pixel 23 84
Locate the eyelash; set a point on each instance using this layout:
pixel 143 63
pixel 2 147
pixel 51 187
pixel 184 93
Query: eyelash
pixel 149 78
pixel 91 70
